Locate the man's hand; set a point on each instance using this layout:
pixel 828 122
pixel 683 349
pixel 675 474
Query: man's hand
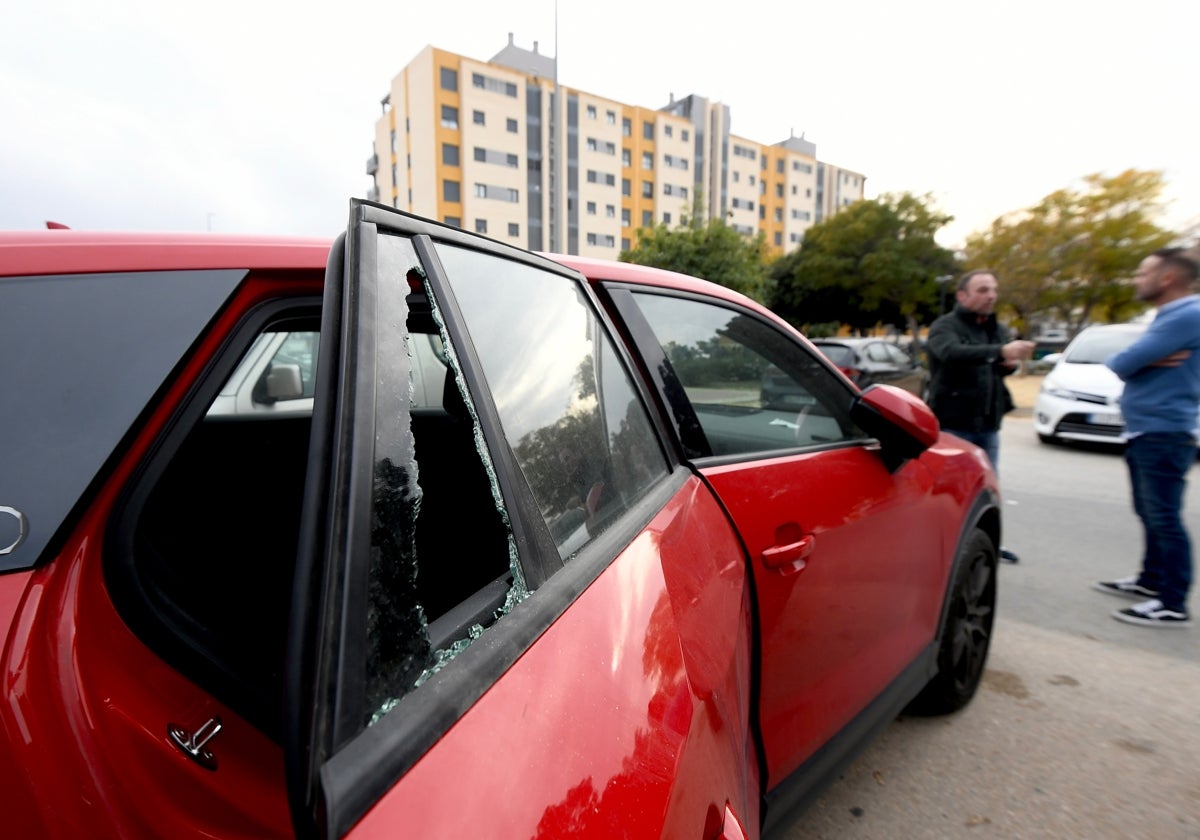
pixel 1014 351
pixel 1174 360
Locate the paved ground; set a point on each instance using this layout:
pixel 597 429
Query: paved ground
pixel 1068 737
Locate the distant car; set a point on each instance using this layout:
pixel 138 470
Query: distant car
pixel 417 534
pixel 867 361
pixel 1080 397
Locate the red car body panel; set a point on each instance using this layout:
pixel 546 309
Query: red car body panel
pixel 634 713
pixel 631 735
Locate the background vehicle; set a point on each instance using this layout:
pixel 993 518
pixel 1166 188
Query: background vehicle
pixel 1080 397
pixel 867 361
pixel 564 577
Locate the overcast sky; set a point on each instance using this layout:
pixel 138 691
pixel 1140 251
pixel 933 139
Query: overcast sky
pixel 258 115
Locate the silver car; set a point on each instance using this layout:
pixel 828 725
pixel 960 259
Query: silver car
pixel 1080 397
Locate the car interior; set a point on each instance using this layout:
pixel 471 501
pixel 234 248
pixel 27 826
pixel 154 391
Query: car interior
pixel 211 537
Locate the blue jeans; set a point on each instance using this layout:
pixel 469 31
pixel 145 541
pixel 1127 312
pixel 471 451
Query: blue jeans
pixel 989 442
pixel 1158 467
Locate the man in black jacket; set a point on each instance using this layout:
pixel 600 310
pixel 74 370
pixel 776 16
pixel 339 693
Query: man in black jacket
pixel 969 356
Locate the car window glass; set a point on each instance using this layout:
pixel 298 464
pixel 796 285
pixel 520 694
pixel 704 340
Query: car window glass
pixel 839 354
pixel 1092 347
pixel 877 351
pixel 83 346
pixel 753 389
pixel 568 405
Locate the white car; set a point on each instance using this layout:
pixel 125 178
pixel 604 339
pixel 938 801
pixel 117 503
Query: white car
pixel 1080 397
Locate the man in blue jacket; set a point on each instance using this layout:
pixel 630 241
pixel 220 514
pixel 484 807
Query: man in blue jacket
pixel 1160 402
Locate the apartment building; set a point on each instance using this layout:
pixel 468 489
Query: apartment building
pixel 502 148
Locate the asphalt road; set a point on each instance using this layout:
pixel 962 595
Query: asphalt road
pixel 1084 727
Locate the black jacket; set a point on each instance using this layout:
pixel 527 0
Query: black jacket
pixel 966 387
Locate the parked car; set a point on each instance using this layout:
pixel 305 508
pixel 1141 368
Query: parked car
pixel 1080 398
pixel 867 361
pixel 591 588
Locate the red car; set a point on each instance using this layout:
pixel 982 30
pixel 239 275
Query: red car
pixel 421 535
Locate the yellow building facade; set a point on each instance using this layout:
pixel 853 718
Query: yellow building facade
pixel 501 148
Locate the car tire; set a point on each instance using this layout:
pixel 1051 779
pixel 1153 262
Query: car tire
pixel 967 633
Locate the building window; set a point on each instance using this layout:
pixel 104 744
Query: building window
pixel 451 191
pixel 626 127
pixel 591 112
pixel 778 239
pixel 453 221
pixel 494 85
pixel 610 211
pixel 514 229
pixel 779 214
pixel 647 189
pixel 497 193
pixel 626 157
pixel 626 187
pixel 647 218
pixel 591 208
pixel 624 217
pixel 647 160
pixel 684 135
pixel 481 225
pixel 610 117
pixel 449 79
pixel 478 118
pixel 395 176
pixel 779 190
pixel 624 243
pixel 511 126
pixel 449 154
pixel 737 176
pixel 668 131
pixel 648 130
pixel 666 218
pixel 449 116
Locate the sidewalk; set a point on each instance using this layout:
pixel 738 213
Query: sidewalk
pixel 1024 389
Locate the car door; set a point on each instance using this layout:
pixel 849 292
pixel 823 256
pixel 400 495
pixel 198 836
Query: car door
pixel 840 545
pixel 598 684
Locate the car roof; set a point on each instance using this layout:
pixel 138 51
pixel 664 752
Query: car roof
pixel 73 251
pixel 849 341
pixel 1125 327
pixel 66 251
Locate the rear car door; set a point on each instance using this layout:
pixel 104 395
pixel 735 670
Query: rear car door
pixel 847 561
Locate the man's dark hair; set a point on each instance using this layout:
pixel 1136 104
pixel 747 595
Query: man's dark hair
pixel 1180 259
pixel 966 278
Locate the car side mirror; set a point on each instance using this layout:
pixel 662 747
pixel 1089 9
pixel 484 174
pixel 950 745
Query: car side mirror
pixel 904 425
pixel 284 383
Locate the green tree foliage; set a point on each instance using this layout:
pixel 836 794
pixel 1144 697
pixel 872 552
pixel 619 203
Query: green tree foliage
pixel 873 262
pixel 713 251
pixel 1071 254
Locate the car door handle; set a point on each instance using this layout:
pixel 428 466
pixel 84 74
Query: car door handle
pixel 790 558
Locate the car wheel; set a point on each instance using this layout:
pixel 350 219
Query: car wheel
pixel 967 633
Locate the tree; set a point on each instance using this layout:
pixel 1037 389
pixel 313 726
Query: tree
pixel 874 261
pixel 712 250
pixel 1071 254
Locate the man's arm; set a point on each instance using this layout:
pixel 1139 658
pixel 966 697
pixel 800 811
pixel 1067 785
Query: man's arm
pixel 1164 344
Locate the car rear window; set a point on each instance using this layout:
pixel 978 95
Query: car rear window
pixel 80 358
pixel 839 354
